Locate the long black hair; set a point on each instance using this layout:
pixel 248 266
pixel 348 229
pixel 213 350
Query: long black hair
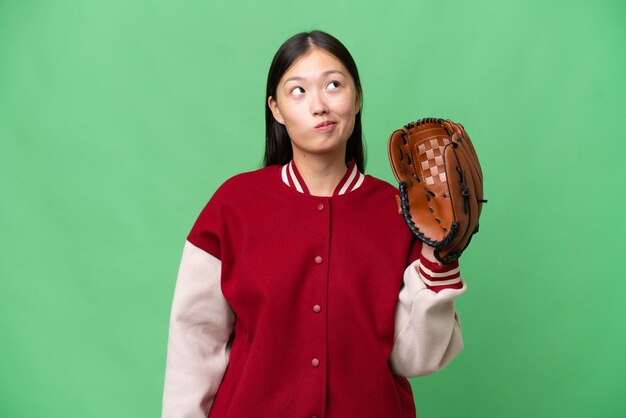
pixel 277 142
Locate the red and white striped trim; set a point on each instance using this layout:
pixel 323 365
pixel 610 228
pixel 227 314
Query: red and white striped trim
pixel 440 276
pixel 352 180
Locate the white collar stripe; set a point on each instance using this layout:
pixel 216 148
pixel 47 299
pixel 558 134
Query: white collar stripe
pixel 358 182
pixel 349 180
pixel 294 179
pixel 283 174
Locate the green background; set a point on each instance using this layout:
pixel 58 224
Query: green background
pixel 119 119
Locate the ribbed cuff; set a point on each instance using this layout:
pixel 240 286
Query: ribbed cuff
pixel 438 276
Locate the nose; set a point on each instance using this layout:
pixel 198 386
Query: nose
pixel 317 104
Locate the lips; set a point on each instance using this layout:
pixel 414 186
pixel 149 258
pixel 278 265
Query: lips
pixel 324 124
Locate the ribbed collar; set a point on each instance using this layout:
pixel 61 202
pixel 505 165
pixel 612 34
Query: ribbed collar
pixel 351 181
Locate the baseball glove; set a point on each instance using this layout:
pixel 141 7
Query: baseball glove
pixel 441 184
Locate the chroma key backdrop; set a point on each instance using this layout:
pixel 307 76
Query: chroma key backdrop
pixel 119 119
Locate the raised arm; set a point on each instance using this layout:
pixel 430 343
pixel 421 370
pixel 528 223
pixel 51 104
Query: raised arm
pixel 427 330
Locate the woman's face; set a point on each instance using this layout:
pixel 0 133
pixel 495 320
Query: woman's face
pixel 317 101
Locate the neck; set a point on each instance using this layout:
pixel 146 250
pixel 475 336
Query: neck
pixel 321 173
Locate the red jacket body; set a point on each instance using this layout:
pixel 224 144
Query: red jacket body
pixel 314 283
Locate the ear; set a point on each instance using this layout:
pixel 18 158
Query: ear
pixel 357 104
pixel 273 105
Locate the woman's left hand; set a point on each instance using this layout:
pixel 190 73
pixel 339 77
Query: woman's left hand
pixel 428 252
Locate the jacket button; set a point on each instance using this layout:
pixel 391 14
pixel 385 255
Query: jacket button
pixel 318 260
pixel 320 206
pixel 315 362
pixel 317 308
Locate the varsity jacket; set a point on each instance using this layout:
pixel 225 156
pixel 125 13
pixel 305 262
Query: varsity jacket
pixel 293 305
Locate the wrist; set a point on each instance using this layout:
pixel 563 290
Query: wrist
pixel 428 253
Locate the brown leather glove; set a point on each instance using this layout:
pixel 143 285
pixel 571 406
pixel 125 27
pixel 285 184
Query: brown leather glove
pixel 441 184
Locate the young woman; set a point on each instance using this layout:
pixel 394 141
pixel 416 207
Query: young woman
pixel 301 291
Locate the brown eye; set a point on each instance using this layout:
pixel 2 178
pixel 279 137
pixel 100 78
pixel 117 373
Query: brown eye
pixel 336 83
pixel 297 91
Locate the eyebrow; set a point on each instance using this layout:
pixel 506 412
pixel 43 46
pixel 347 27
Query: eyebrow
pixel 324 73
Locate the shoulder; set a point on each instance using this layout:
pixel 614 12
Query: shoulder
pixel 380 184
pixel 377 187
pixel 227 204
pixel 236 191
pixel 377 198
pixel 240 185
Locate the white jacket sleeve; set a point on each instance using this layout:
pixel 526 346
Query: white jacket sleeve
pixel 427 328
pixel 201 323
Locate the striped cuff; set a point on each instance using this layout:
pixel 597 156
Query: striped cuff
pixel 438 276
